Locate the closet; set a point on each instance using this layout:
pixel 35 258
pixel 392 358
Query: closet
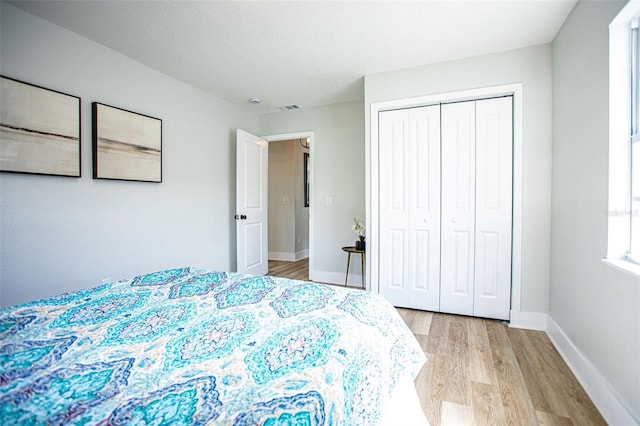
pixel 445 207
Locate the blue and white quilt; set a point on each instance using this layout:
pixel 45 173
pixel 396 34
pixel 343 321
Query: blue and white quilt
pixel 189 346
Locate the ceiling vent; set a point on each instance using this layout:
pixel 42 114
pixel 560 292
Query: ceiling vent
pixel 289 107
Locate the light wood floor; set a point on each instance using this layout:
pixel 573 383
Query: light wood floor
pixel 298 270
pixel 295 270
pixel 481 372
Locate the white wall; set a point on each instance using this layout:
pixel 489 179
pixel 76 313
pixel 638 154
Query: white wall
pixel 62 234
pixel 338 162
pixel 532 67
pixel 596 307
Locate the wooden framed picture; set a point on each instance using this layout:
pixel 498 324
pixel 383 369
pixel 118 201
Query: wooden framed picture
pixel 39 130
pixel 126 145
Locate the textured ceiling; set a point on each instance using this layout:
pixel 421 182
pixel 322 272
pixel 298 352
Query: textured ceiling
pixel 301 52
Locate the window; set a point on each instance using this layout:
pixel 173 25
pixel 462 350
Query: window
pixel 624 140
pixel 634 184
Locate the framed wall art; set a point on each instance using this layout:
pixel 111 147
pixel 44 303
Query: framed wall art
pixel 126 145
pixel 306 168
pixel 39 130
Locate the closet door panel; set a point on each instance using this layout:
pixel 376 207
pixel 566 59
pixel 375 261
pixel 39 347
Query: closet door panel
pixel 458 208
pixel 394 211
pixel 462 284
pixel 420 247
pixel 494 146
pixel 398 254
pixel 424 205
pixel 410 207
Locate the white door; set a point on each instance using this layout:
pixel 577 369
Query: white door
pixel 477 164
pixel 410 207
pixel 445 212
pixel 251 203
pixel 494 145
pixel 458 208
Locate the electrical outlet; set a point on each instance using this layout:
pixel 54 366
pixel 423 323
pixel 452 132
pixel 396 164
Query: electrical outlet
pixel 329 202
pixel 285 200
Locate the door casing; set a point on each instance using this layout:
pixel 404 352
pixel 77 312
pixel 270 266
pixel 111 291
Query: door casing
pixel 372 176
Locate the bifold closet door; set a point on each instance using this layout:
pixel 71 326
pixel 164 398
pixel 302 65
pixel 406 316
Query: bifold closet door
pixel 494 207
pixel 475 273
pixel 409 188
pixel 458 207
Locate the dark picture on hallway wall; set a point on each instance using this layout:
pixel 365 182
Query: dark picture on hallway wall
pixel 126 145
pixel 307 189
pixel 39 130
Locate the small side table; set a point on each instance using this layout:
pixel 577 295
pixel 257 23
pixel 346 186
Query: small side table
pixel 349 250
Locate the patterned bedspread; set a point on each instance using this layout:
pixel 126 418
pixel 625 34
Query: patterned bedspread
pixel 188 346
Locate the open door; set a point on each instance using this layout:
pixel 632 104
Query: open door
pixel 251 204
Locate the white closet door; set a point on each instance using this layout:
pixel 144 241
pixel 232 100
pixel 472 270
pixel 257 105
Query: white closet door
pixel 424 208
pixel 410 207
pixel 394 212
pixel 492 283
pixel 458 208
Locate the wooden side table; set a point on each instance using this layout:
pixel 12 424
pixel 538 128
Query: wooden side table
pixel 349 250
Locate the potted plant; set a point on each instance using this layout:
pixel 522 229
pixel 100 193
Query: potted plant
pixel 358 228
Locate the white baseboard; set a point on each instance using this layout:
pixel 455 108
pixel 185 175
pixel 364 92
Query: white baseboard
pixel 302 254
pixel 287 256
pixel 282 255
pixel 355 280
pixel 528 320
pixel 596 386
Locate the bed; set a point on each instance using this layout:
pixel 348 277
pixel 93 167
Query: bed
pixel 190 346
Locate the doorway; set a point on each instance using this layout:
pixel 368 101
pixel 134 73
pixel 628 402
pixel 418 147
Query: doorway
pixel 290 203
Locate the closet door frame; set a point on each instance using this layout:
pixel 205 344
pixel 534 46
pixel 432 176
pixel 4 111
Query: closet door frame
pixel 372 177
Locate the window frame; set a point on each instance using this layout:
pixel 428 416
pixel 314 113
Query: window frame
pixel 624 133
pixel 633 251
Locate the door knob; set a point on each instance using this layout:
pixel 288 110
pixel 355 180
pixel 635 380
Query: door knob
pixel 454 220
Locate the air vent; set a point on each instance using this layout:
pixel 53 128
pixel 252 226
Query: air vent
pixel 289 107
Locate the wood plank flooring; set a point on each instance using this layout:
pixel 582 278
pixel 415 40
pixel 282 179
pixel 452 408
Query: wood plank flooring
pixel 298 270
pixel 481 372
pixel 295 270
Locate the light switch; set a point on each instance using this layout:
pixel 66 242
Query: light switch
pixel 285 200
